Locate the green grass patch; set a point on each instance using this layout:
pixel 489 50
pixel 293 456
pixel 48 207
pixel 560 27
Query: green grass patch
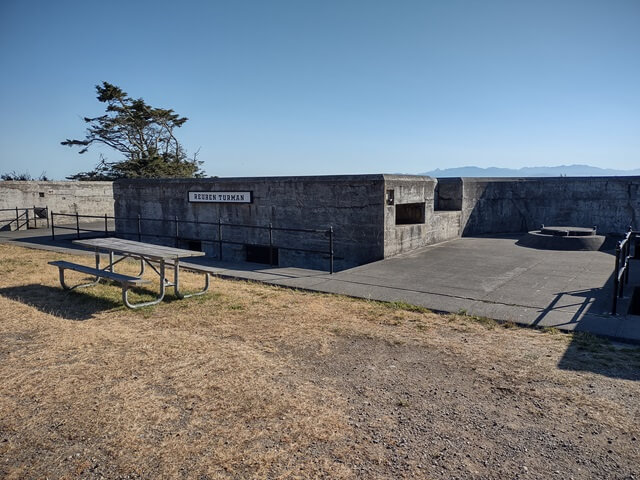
pixel 398 305
pixel 550 330
pixel 486 322
pixel 589 342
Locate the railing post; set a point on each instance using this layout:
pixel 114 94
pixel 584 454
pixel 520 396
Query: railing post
pixel 219 238
pixel 627 255
pixel 35 218
pixel 622 287
pixel 53 226
pixel 77 224
pixel 139 229
pixel 271 244
pixel 176 219
pixel 17 220
pixel 106 226
pixel 614 307
pixel 331 250
pixel 26 212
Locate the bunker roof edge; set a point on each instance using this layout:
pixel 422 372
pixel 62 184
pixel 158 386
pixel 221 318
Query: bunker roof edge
pixel 319 178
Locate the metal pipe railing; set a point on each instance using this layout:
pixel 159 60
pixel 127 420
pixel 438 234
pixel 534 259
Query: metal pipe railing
pixel 621 268
pixel 22 218
pixel 177 238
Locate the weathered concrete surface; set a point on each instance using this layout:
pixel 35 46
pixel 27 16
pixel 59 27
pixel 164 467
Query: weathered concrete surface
pixel 495 278
pixel 538 239
pixel 352 205
pixel 85 198
pixel 502 205
pixel 356 206
pixel 449 194
pixel 435 226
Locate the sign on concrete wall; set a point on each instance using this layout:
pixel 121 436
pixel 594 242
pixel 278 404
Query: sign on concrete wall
pixel 221 197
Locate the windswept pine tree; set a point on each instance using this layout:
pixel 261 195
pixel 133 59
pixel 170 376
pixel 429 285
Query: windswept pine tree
pixel 143 134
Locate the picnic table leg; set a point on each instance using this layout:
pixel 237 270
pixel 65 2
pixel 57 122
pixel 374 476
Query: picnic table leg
pixel 67 287
pixel 176 278
pixel 111 261
pixel 163 286
pixel 97 259
pixel 176 283
pixel 141 267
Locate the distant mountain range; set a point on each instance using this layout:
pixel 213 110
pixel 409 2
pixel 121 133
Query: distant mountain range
pixel 559 171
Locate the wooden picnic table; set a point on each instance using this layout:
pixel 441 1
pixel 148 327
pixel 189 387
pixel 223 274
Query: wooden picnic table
pixel 148 254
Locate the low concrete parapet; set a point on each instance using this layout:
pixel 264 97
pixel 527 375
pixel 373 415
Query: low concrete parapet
pixel 87 198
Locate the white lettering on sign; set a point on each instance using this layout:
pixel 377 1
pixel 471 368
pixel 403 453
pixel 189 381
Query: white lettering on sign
pixel 220 197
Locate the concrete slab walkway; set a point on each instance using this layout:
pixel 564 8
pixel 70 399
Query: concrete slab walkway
pixel 485 276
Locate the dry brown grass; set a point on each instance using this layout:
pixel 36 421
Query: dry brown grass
pixel 252 381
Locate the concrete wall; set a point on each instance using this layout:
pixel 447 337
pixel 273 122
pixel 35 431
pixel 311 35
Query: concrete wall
pixel 364 222
pixel 373 216
pixel 352 205
pixel 435 226
pixel 86 198
pixel 494 205
pixel 448 194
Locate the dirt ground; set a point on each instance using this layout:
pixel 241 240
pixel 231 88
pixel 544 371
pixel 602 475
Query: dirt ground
pixel 252 381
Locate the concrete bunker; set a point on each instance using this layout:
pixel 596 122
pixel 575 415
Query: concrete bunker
pixel 286 221
pixel 371 216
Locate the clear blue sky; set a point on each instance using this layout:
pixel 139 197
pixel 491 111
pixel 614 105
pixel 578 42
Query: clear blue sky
pixel 327 87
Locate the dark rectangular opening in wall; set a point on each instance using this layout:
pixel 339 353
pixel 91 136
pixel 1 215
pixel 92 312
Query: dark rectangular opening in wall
pixel 260 254
pixel 195 245
pixel 390 197
pixel 409 213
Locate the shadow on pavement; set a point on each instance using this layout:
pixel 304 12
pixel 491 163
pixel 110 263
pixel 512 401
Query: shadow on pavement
pixel 64 235
pixel 70 305
pixel 592 300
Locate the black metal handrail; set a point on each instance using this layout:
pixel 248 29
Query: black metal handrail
pixel 20 216
pixel 219 240
pixel 621 269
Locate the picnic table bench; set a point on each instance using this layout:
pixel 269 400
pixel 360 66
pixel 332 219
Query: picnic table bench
pixel 125 280
pixel 148 254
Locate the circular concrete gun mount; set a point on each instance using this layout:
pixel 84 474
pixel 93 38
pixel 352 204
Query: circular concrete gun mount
pixel 563 238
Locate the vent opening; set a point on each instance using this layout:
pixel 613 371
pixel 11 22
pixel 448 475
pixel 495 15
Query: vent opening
pixel 260 254
pixel 195 245
pixel 409 213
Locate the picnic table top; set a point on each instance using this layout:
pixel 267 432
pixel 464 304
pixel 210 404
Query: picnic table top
pixel 147 250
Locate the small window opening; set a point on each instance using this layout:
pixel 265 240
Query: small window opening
pixel 409 213
pixel 41 194
pixel 262 254
pixel 389 197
